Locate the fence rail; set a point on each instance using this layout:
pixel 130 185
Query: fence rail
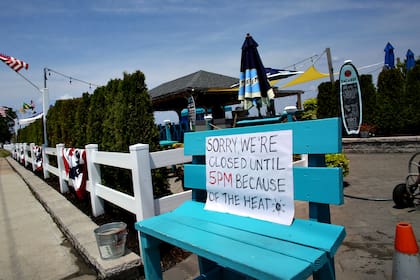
pixel 139 160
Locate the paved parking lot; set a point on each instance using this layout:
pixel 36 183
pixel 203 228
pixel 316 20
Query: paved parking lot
pixel 370 224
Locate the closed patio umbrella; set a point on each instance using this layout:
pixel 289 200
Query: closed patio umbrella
pixel 254 88
pixel 410 62
pixel 389 56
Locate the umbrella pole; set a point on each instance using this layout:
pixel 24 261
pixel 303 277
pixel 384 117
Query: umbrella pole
pixel 271 108
pixel 259 105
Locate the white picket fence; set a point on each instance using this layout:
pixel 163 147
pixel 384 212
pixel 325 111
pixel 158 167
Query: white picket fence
pixel 139 160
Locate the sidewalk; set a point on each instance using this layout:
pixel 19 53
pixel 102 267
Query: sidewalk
pixel 36 229
pixel 31 245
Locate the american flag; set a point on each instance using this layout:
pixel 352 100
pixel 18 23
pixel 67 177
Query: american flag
pixel 3 111
pixel 14 63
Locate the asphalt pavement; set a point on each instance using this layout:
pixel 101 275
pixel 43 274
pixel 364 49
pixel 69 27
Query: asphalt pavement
pixel 368 213
pixel 371 219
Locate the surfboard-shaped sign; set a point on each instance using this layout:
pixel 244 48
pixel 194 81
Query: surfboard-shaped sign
pixel 191 113
pixel 350 98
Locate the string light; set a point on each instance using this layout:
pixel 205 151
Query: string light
pixel 71 78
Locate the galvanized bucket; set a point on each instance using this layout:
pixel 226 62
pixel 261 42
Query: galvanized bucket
pixel 111 239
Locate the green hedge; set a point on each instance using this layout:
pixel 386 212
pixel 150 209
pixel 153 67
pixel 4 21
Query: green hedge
pixel 115 116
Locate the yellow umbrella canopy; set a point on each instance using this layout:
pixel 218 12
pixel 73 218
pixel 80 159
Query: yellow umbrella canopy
pixel 309 75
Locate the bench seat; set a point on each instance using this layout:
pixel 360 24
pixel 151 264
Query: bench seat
pixel 271 251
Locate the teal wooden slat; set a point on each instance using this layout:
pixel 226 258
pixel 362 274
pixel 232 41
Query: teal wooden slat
pixel 314 184
pixel 258 121
pixel 319 184
pixel 314 256
pixel 309 137
pixel 195 176
pixel 309 233
pixel 253 261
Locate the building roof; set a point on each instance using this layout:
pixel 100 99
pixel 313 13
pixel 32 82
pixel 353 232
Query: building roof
pixel 200 80
pixel 210 90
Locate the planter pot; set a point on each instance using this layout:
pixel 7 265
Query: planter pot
pixel 364 134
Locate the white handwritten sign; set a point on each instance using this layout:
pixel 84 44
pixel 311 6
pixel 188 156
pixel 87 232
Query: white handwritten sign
pixel 251 175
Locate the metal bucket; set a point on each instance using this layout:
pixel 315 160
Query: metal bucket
pixel 111 239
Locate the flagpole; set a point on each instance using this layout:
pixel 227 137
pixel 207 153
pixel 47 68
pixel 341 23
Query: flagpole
pixel 45 102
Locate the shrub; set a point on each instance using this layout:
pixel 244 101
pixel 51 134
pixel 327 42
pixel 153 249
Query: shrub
pixel 338 160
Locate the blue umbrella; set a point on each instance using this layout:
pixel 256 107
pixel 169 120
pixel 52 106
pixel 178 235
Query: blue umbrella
pixel 254 88
pixel 410 62
pixel 389 56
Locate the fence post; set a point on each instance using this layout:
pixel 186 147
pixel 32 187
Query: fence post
pixel 25 154
pixel 61 170
pixel 31 147
pixel 19 153
pixel 45 162
pixel 94 173
pixel 142 183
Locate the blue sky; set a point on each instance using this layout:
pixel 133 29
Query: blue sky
pixel 98 40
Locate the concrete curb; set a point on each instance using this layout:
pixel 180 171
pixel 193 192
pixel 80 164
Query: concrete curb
pixel 78 228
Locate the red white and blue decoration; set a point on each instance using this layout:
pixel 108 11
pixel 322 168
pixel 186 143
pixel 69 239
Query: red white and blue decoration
pixel 37 150
pixel 74 162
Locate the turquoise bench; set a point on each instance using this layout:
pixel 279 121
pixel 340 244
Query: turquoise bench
pixel 235 247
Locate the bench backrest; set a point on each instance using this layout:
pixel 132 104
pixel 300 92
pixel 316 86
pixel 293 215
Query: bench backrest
pixel 315 183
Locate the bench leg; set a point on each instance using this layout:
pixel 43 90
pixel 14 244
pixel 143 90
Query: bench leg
pixel 211 270
pixel 319 212
pixel 151 257
pixel 206 265
pixel 326 272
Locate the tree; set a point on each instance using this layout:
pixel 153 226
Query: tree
pixel 368 93
pixel 310 107
pixel 80 121
pixel 32 133
pixel 328 100
pixel 389 118
pixel 5 134
pixel 413 100
pixel 7 125
pixel 95 116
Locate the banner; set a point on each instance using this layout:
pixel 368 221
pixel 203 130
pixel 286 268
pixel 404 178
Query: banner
pixel 350 98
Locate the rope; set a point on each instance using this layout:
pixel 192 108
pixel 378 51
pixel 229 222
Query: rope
pixel 304 60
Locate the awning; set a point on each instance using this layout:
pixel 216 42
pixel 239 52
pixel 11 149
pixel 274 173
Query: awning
pixel 309 75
